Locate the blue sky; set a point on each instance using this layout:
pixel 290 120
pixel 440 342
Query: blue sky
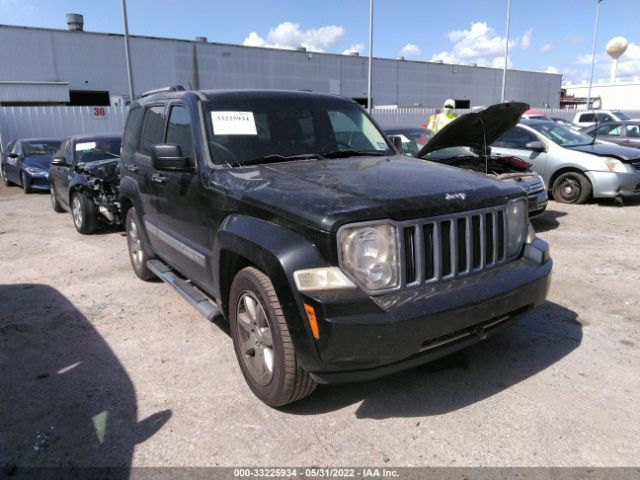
pixel 546 35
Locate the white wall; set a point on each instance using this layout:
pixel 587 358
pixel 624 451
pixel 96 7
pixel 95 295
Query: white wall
pixel 623 96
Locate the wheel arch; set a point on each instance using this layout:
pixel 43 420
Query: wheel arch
pixel 564 170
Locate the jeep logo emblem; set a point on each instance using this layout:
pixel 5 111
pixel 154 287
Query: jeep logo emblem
pixel 455 196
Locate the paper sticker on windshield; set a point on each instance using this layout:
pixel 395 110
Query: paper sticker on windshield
pixel 381 146
pixel 85 146
pixel 233 123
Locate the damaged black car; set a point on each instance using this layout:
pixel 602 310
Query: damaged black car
pixel 84 177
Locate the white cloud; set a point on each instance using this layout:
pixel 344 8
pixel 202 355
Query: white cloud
pixel 498 62
pixel 525 41
pixel 547 47
pixel 628 66
pixel 480 45
pixel 410 50
pixel 288 35
pixel 551 69
pixel 358 47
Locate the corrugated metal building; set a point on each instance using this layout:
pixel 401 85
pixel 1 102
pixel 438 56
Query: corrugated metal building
pixel 37 63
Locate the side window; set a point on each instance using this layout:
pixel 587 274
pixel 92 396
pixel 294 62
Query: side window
pixel 633 130
pixel 604 117
pixel 515 138
pixel 131 130
pixel 16 148
pixel 10 146
pixel 153 129
pixel 612 129
pixel 179 129
pixel 587 117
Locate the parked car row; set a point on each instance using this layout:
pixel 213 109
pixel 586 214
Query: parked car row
pixel 80 172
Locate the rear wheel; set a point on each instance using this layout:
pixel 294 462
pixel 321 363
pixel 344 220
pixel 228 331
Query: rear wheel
pixel 571 187
pixel 85 214
pixel 25 184
pixel 54 200
pixel 139 253
pixel 262 342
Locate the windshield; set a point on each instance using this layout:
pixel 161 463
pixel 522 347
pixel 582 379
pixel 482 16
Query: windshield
pixel 248 130
pixel 32 149
pixel 561 135
pixel 412 139
pixel 621 115
pixel 101 149
pixel 449 152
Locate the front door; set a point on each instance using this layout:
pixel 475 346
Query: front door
pixel 514 143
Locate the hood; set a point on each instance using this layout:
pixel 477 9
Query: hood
pixel 38 161
pixel 625 154
pixel 107 169
pixel 476 129
pixel 325 194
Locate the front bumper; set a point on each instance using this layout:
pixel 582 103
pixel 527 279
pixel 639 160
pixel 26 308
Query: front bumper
pixel 367 337
pixel 608 184
pixel 39 181
pixel 537 203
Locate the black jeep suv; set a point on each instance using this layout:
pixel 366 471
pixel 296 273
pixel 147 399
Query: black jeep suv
pixel 333 258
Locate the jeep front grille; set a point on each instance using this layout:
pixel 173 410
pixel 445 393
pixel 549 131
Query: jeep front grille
pixel 452 246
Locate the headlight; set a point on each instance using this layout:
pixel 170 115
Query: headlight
pixel 369 254
pixel 614 165
pixel 34 171
pixel 516 220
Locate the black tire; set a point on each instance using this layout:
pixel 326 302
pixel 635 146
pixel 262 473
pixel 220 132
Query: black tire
pixel 54 200
pixel 84 213
pixel 7 182
pixel 571 187
pixel 139 252
pixel 287 382
pixel 25 186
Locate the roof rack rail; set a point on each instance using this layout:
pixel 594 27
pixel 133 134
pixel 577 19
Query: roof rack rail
pixel 174 88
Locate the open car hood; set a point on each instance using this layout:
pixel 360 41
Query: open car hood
pixel 477 129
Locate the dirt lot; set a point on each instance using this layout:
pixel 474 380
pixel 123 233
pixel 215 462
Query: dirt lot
pixel 100 368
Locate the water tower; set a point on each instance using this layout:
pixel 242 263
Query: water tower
pixel 615 48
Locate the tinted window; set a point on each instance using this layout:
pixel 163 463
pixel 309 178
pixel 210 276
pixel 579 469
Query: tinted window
pixel 131 129
pixel 179 129
pixel 515 138
pixel 587 117
pixel 153 130
pixel 40 148
pixel 604 117
pixel 612 129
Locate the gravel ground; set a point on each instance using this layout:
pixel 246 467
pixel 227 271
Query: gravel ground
pixel 100 368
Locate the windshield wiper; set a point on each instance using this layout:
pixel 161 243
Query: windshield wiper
pixel 348 152
pixel 280 158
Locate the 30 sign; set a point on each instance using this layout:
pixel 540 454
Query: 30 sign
pixel 100 112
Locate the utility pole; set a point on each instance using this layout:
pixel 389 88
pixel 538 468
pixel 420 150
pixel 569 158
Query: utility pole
pixel 593 53
pixel 369 106
pixel 127 52
pixel 506 52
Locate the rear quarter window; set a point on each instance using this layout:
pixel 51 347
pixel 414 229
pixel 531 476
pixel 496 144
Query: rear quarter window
pixel 153 129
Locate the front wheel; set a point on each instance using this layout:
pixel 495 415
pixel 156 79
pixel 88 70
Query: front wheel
pixel 25 183
pixel 262 342
pixel 571 187
pixel 85 214
pixel 139 253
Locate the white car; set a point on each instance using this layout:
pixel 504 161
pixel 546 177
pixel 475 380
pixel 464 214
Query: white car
pixel 590 117
pixel 574 166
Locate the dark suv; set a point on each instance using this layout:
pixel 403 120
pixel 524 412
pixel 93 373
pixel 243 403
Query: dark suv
pixel 333 258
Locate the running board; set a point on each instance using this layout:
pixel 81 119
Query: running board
pixel 191 294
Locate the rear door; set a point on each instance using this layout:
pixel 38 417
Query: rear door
pixel 514 143
pixel 611 132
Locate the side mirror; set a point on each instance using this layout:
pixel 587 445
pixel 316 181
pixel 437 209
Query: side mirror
pixel 397 142
pixel 536 146
pixel 13 155
pixel 59 162
pixel 169 157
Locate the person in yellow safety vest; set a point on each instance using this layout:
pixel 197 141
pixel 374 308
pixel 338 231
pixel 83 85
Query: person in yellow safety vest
pixel 440 119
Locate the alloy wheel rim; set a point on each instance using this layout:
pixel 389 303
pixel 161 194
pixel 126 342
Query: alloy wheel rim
pixel 77 212
pixel 255 338
pixel 135 247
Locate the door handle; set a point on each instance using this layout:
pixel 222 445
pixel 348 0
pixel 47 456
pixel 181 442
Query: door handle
pixel 158 178
pixel 131 168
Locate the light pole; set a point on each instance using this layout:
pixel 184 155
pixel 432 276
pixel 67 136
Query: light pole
pixel 369 106
pixel 506 52
pixel 126 50
pixel 593 53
